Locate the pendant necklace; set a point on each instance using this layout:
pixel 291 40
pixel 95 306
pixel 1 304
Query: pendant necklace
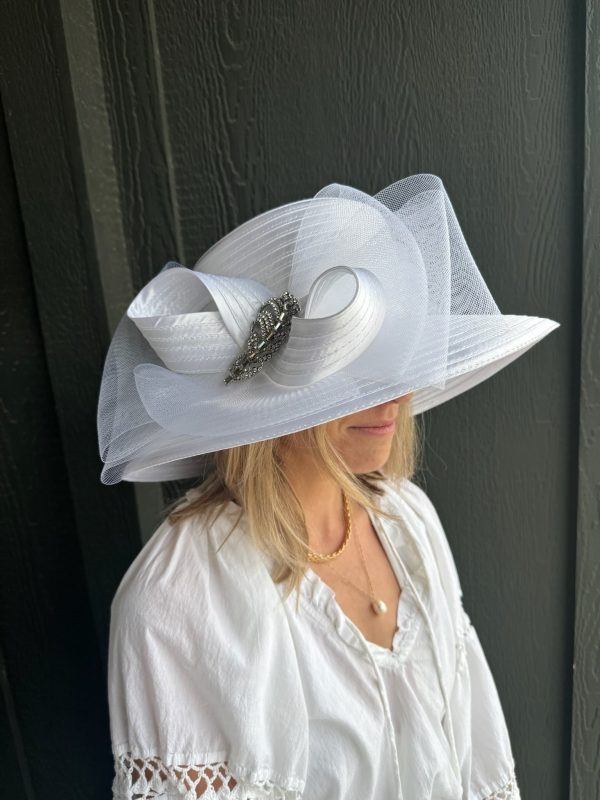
pixel 377 605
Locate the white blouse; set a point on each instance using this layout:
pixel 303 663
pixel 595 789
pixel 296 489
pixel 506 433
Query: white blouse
pixel 220 689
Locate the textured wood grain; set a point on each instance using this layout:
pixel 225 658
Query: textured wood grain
pixel 46 150
pixel 502 457
pixel 131 74
pixel 148 211
pixel 52 682
pixel 585 751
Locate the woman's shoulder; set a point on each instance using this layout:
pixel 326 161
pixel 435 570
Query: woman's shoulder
pixel 407 499
pixel 189 567
pixel 198 643
pixel 406 491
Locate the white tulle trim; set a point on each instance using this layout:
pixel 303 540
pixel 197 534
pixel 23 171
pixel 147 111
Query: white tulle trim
pixel 144 778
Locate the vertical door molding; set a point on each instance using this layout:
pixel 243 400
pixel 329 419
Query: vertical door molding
pixel 61 151
pixel 585 744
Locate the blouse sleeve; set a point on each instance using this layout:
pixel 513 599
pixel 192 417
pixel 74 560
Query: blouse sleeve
pixel 480 731
pixel 481 734
pixel 198 660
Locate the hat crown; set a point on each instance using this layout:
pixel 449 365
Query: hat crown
pixel 391 302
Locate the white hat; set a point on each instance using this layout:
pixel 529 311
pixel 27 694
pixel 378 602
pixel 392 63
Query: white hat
pixel 362 299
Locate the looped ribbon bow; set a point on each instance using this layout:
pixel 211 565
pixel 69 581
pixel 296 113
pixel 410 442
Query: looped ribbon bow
pixel 199 323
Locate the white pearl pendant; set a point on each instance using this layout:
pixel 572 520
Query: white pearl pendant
pixel 379 607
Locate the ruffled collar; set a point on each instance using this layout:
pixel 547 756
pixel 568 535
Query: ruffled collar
pixel 399 538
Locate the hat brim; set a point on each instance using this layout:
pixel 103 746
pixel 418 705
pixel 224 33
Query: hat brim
pixel 184 456
pixel 465 374
pixel 408 312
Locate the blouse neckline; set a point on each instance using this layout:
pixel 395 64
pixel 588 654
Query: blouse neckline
pixel 321 603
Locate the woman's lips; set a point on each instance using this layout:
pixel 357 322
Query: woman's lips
pixel 377 430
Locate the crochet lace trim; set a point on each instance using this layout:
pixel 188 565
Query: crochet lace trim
pixel 152 779
pixel 509 791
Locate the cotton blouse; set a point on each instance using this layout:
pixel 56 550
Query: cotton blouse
pixel 219 688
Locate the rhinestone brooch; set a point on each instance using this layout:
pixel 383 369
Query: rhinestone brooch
pixel 270 330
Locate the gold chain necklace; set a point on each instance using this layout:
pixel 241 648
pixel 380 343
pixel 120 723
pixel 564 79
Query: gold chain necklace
pixel 378 606
pixel 319 558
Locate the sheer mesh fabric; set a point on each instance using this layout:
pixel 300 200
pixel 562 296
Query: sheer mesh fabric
pixel 152 779
pixel 408 312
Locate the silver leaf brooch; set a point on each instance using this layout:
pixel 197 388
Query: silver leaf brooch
pixel 270 330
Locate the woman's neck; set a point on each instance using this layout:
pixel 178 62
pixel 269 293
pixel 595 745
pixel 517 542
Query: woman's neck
pixel 320 498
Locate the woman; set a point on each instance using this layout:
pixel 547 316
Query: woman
pixel 295 629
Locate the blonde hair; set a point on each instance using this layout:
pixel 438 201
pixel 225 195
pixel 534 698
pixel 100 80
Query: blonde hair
pixel 253 477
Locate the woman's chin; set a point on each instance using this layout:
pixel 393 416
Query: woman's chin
pixel 371 462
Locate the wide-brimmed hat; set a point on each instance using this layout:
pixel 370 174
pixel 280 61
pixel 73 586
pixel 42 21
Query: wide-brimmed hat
pixel 305 313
